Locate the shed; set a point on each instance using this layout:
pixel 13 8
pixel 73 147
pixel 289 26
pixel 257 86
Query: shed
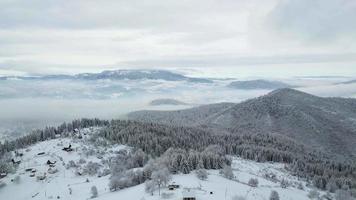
pixel 28 169
pixel 189 195
pixel 2 175
pixel 173 186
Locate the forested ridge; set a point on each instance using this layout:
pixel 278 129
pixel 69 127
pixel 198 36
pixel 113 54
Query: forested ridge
pixel 302 161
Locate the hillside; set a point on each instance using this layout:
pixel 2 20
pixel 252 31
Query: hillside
pixel 70 179
pixel 325 123
pixel 121 158
pixel 187 117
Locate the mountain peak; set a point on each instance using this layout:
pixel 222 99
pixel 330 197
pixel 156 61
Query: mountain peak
pixel 288 92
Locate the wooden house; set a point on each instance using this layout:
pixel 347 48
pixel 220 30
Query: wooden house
pixel 189 195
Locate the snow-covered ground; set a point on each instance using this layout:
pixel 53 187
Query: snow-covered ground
pixel 67 184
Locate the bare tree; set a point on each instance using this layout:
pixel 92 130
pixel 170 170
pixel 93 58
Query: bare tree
pixel 236 197
pixel 226 171
pixel 202 174
pixel 161 177
pixel 274 195
pixel 253 182
pixel 314 194
pixel 343 195
pixel 150 187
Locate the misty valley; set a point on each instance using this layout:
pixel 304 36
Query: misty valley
pixel 147 134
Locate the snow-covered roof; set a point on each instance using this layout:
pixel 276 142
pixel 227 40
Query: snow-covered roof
pixel 187 194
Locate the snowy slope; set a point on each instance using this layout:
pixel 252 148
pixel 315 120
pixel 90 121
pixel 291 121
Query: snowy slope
pixel 59 184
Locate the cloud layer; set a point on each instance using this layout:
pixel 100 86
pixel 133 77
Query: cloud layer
pixel 42 37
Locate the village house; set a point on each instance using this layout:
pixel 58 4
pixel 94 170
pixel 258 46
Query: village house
pixel 188 195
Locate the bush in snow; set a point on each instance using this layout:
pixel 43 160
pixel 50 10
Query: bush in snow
pixel 327 196
pixel 71 164
pixel 226 171
pixel 271 176
pixel 202 174
pixel 104 172
pixel 16 180
pixel 6 166
pixel 52 170
pixel 166 195
pixel 161 177
pixel 343 195
pixel 118 182
pixel 2 184
pixel 92 168
pixel 314 194
pixel 274 195
pixel 300 186
pixel 94 192
pixel 236 197
pixel 253 182
pixel 82 161
pixel 89 152
pixel 126 179
pixel 150 187
pixel 285 183
pixel 353 192
pixel 114 183
pixel 138 158
pixel 331 186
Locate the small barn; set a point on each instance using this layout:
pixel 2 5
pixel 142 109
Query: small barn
pixel 189 195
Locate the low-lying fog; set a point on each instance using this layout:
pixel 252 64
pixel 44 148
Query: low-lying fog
pixel 30 104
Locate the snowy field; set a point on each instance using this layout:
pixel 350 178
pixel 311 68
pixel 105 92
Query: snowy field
pixel 61 182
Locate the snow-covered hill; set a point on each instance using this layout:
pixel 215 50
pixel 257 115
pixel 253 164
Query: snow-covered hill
pixel 63 179
pixel 311 120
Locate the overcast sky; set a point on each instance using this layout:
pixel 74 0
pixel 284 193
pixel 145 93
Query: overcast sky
pixel 249 37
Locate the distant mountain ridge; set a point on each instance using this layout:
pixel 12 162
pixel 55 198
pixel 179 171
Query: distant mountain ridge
pixel 325 123
pixel 258 84
pixel 167 101
pixel 348 82
pixel 119 75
